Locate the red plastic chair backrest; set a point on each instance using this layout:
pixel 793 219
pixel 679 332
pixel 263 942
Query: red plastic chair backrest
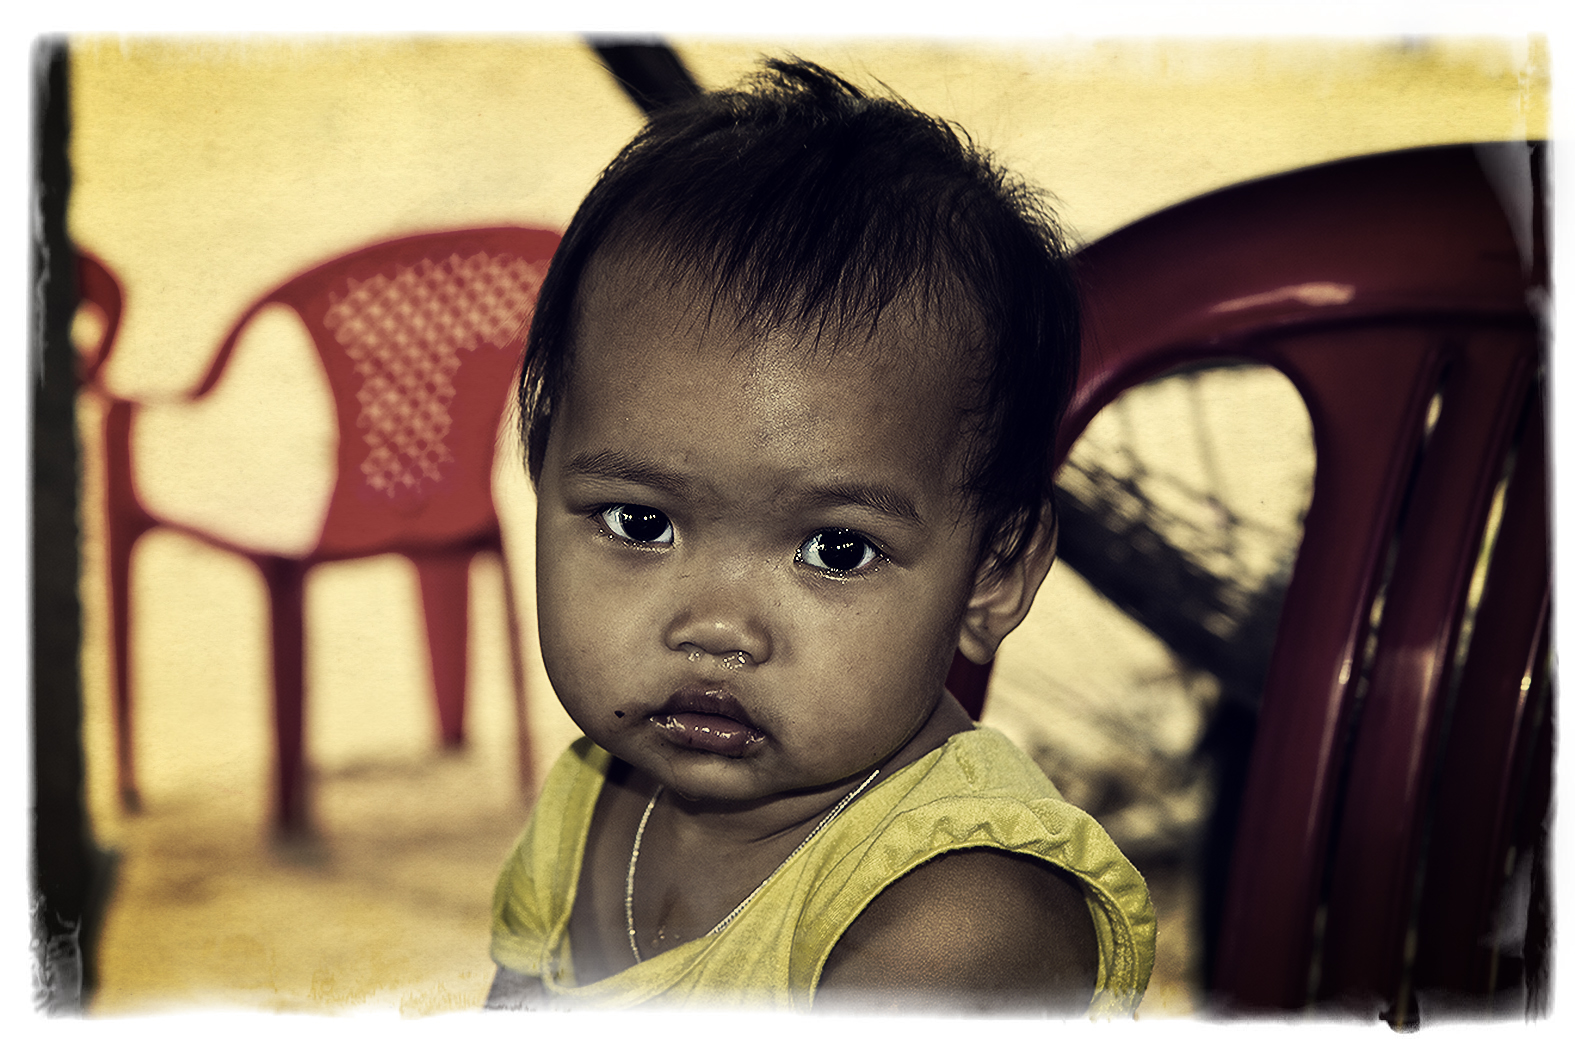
pixel 1375 285
pixel 420 338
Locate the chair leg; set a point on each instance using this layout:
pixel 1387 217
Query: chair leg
pixel 120 541
pixel 286 578
pixel 445 600
pixel 124 524
pixel 527 760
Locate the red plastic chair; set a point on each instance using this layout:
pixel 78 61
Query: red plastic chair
pixel 97 286
pixel 1395 762
pixel 420 338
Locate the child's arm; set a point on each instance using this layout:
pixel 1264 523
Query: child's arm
pixel 512 990
pixel 973 930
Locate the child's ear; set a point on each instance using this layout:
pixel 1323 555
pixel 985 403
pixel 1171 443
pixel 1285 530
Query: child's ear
pixel 1001 597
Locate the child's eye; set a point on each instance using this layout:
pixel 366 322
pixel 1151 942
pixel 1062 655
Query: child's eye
pixel 838 550
pixel 637 524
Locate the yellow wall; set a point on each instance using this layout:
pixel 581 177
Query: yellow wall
pixel 209 171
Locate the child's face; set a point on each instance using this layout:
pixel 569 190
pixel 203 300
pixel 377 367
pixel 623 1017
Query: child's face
pixel 752 562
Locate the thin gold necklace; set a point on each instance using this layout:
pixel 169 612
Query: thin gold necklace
pixel 639 836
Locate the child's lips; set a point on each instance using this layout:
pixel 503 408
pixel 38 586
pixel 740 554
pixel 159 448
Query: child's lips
pixel 707 720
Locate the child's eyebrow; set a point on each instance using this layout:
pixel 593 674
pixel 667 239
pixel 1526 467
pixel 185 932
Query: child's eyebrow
pixel 884 501
pixel 612 465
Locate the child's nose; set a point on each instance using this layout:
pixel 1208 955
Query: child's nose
pixel 719 623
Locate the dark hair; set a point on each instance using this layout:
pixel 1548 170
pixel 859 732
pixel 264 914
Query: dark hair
pixel 812 205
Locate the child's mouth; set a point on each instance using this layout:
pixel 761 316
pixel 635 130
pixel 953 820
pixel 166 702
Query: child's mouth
pixel 707 720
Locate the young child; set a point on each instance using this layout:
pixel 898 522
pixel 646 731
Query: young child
pixel 791 393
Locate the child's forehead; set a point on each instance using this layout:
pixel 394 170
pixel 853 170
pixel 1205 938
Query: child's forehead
pixel 756 416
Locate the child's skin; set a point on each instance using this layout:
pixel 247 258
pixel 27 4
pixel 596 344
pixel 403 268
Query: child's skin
pixel 755 561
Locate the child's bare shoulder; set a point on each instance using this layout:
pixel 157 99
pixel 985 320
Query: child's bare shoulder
pixel 971 930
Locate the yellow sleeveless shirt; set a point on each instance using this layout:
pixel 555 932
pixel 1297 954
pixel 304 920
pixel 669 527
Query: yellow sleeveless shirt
pixel 978 790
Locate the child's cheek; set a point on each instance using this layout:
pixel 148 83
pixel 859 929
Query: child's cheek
pixel 591 616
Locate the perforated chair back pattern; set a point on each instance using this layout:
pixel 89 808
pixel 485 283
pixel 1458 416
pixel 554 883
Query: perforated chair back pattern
pixel 1401 748
pixel 420 338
